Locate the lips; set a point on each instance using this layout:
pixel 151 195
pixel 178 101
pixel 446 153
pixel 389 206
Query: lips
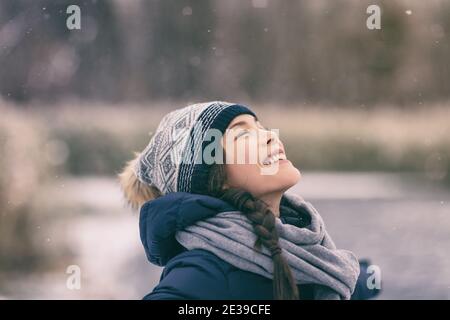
pixel 276 155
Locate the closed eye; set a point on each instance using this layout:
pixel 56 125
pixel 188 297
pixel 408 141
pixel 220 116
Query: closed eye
pixel 242 133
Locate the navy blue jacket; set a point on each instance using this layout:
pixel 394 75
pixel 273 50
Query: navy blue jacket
pixel 199 274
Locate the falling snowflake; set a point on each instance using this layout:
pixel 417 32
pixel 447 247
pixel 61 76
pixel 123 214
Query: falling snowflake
pixel 187 11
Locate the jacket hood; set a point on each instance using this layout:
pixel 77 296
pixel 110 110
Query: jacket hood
pixel 162 217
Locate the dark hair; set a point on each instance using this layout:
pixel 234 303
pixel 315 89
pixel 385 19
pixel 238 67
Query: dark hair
pixel 263 220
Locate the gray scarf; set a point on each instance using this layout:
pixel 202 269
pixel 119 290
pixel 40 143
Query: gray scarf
pixel 310 251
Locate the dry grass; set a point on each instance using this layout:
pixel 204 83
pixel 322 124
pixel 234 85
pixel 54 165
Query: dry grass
pixel 23 168
pixel 102 138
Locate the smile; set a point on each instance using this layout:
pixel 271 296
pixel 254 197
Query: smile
pixel 277 155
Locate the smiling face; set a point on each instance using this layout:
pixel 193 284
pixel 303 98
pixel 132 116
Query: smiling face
pixel 256 159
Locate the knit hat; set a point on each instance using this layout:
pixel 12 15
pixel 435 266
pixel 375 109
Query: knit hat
pixel 172 161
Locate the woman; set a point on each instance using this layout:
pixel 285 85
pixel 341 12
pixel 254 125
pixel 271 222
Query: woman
pixel 211 187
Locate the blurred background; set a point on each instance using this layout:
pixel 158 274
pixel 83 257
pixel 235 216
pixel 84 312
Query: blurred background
pixel 364 115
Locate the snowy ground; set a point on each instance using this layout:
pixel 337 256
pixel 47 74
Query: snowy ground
pixel 401 223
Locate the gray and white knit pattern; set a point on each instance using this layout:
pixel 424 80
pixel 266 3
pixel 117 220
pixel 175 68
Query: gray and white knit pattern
pixel 177 139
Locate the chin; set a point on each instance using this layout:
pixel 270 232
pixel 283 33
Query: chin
pixel 293 176
pixel 286 177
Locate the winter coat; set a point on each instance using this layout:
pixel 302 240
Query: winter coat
pixel 199 274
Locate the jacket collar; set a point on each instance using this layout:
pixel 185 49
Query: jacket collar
pixel 161 218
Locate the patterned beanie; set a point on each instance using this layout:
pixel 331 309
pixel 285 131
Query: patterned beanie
pixel 170 160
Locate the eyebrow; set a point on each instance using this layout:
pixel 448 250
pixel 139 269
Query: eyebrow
pixel 244 122
pixel 239 123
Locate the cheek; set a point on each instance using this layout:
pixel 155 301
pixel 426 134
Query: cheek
pixel 242 168
pixel 241 175
pixel 239 158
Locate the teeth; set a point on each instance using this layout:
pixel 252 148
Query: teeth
pixel 273 159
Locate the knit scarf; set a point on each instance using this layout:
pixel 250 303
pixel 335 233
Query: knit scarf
pixel 310 251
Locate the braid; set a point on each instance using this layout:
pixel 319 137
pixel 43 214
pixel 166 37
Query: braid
pixel 263 221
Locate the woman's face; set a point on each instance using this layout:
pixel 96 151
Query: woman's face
pixel 255 158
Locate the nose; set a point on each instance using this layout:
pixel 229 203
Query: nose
pixel 270 137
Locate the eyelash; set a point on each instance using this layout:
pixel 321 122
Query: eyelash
pixel 244 132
